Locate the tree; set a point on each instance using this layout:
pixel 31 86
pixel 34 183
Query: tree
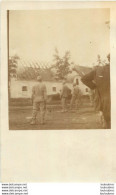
pixel 62 64
pixel 12 66
pixel 100 61
pixel 12 69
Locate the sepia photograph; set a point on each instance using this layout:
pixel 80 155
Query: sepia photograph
pixel 59 69
pixel 58 92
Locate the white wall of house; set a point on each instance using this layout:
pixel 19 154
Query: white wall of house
pixel 85 90
pixel 23 89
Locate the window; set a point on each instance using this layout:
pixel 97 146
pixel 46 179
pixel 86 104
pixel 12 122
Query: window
pixel 54 88
pixel 86 89
pixel 24 88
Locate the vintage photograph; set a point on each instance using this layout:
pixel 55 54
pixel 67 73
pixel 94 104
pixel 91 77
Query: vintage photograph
pixel 59 69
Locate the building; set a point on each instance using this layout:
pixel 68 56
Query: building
pixel 77 73
pixel 23 88
pixel 21 85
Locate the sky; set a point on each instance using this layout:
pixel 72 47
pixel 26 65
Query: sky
pixel 34 35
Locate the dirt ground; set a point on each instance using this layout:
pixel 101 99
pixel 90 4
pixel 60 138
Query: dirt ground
pixel 83 118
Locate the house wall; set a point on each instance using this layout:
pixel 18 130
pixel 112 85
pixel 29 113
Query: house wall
pixel 85 90
pixel 16 87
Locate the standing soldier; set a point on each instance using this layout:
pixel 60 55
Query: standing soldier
pixel 99 79
pixel 64 96
pixel 39 96
pixel 76 96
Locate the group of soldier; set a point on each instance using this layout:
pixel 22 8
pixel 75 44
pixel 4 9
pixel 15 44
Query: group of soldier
pixel 98 80
pixel 65 93
pixel 39 98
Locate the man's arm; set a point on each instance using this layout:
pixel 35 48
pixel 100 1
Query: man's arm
pixel 88 80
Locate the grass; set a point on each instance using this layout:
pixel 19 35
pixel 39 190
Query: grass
pixel 83 118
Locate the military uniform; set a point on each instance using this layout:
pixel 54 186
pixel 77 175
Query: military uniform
pixel 64 97
pixel 39 95
pixel 99 79
pixel 76 96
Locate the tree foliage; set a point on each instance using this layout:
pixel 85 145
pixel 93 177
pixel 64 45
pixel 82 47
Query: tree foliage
pixel 100 62
pixel 12 66
pixel 12 70
pixel 62 64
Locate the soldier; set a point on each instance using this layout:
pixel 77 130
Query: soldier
pixel 91 96
pixel 64 96
pixel 99 79
pixel 39 96
pixel 76 96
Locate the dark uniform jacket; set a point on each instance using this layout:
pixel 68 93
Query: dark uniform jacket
pixel 99 79
pixel 65 92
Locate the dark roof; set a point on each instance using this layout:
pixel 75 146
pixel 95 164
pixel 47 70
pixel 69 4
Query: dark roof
pixel 31 73
pixel 28 70
pixel 82 70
